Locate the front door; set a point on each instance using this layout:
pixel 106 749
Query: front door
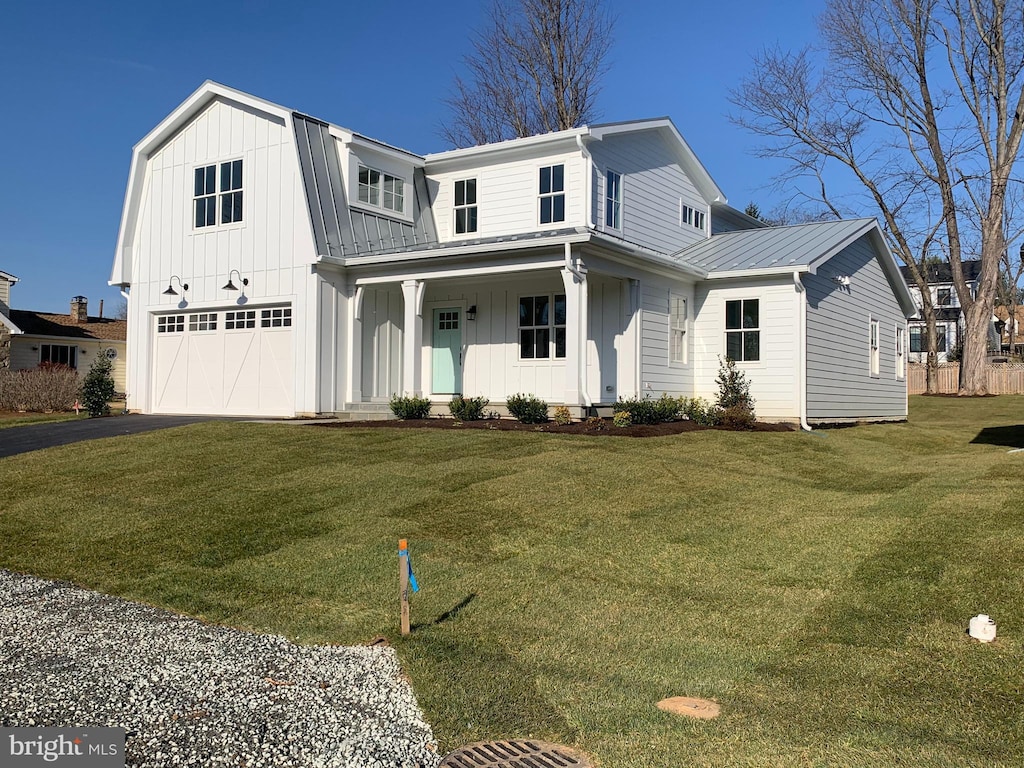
pixel 446 368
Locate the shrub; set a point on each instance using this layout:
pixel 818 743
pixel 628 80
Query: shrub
pixel 562 415
pixel 467 408
pixel 46 388
pixel 622 419
pixel 527 408
pixel 737 417
pixel 733 387
pixel 98 387
pixel 700 411
pixel 407 407
pixel 647 411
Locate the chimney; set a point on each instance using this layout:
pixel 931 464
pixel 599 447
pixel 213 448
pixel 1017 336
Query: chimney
pixel 80 310
pixel 101 309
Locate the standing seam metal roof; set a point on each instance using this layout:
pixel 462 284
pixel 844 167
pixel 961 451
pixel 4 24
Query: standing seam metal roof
pixel 769 247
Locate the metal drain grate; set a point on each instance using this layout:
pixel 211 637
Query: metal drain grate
pixel 515 754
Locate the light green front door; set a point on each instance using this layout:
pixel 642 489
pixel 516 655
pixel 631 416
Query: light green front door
pixel 446 368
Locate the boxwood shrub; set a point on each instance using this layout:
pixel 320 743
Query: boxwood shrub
pixel 467 408
pixel 527 408
pixel 406 407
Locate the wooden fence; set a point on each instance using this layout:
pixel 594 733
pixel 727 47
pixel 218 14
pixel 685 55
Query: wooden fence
pixel 1003 378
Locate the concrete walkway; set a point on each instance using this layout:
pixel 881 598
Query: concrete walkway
pixel 35 437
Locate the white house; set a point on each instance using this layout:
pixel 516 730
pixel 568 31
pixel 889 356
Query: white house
pixel 280 265
pixel 949 316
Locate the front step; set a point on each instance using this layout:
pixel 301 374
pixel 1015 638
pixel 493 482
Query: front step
pixel 365 412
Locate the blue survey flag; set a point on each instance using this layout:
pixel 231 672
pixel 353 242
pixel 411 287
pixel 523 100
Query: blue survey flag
pixel 412 576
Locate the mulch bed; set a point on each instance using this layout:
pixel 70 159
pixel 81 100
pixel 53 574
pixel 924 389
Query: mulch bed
pixel 603 429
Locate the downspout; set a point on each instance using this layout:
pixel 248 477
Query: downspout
pixel 582 277
pixel 802 376
pixel 588 180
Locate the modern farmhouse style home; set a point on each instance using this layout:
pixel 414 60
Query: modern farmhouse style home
pixel 279 265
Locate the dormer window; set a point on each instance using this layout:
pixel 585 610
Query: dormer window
pixel 613 200
pixel 465 206
pixel 218 200
pixel 381 190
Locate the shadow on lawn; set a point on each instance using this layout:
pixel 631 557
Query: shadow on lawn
pixel 1009 436
pixel 448 615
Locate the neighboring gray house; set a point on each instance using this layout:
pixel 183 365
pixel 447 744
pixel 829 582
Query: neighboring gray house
pixel 278 264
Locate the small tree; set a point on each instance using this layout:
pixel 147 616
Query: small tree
pixel 98 387
pixel 733 387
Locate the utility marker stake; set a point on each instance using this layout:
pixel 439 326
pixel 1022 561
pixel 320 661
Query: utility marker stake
pixel 403 583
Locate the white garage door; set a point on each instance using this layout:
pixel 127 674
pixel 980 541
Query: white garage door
pixel 234 362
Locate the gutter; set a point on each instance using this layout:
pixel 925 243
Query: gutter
pixel 802 375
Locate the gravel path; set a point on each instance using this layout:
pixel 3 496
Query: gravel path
pixel 191 694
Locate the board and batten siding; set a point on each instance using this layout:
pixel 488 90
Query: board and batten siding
pixel 774 379
pixel 491 363
pixel 272 247
pixel 653 187
pixel 508 200
pixel 659 375
pixel 839 381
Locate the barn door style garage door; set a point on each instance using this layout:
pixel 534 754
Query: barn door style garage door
pixel 234 362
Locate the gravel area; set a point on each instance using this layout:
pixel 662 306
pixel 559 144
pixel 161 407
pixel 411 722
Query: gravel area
pixel 191 694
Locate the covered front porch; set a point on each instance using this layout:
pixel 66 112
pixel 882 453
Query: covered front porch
pixel 550 325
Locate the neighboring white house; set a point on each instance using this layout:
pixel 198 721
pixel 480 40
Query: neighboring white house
pixel 949 317
pixel 280 265
pixel 29 339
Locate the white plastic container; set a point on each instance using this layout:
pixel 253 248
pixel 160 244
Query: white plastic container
pixel 982 628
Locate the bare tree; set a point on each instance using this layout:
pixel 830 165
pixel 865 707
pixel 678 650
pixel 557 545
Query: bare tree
pixel 921 102
pixel 535 68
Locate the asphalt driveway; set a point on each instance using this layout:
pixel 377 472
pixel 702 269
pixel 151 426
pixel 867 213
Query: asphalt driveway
pixel 34 437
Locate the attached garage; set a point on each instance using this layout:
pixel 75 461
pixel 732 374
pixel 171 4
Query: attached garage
pixel 236 362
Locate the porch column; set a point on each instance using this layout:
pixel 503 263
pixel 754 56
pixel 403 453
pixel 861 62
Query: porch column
pixel 412 337
pixel 354 345
pixel 574 279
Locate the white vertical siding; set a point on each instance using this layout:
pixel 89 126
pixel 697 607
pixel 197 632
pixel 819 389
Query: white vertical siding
pixel 272 246
pixel 653 186
pixel 839 380
pixel 774 378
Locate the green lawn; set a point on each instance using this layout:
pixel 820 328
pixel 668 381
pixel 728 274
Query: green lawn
pixel 817 585
pixel 13 419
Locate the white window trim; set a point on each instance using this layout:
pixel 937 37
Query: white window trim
pixel 608 199
pixel 69 346
pixel 901 351
pixel 760 362
pixel 551 326
pixel 874 344
pixel 379 207
pixel 217 226
pixel 683 327
pixel 551 195
pixel 465 207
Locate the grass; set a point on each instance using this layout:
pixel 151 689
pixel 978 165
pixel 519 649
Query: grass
pixel 19 419
pixel 817 585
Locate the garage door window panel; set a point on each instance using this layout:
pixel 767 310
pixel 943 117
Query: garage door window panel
pixel 276 318
pixel 240 320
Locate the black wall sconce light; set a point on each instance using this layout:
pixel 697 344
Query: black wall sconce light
pixel 471 313
pixel 170 286
pixel 231 285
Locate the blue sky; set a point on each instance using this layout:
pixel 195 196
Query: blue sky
pixel 83 82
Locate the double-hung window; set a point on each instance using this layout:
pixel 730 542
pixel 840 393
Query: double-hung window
pixel 381 190
pixel 901 347
pixel 465 206
pixel 677 328
pixel 542 327
pixel 613 200
pixel 873 346
pixel 743 330
pixel 552 194
pixel 217 194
